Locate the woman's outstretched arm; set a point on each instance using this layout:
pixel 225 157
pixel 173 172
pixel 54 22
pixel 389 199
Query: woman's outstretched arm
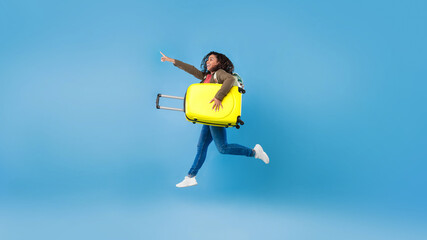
pixel 184 66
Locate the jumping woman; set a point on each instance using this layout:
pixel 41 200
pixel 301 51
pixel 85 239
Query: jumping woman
pixel 213 63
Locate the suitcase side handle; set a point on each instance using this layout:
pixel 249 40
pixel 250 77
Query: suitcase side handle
pixel 168 108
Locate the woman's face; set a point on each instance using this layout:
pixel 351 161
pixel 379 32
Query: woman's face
pixel 212 63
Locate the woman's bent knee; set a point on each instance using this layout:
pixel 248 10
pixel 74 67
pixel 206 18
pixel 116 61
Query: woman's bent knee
pixel 222 149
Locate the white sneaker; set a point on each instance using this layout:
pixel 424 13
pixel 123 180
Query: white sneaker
pixel 260 154
pixel 187 182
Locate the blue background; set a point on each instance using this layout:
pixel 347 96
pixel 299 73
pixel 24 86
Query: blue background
pixel 335 95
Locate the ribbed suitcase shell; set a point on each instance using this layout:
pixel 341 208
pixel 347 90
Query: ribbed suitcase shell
pixel 199 110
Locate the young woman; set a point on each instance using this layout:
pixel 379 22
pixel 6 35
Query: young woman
pixel 213 63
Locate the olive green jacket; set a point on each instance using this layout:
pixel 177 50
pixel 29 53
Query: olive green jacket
pixel 227 80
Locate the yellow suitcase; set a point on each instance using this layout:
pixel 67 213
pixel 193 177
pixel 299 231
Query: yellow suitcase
pixel 198 109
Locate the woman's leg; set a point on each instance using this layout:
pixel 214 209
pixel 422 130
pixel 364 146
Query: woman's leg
pixel 219 135
pixel 202 147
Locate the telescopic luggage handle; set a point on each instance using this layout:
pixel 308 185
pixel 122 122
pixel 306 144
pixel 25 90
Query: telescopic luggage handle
pixel 168 108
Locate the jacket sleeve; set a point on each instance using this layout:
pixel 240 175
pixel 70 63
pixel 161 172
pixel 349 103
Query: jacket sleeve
pixel 190 69
pixel 227 81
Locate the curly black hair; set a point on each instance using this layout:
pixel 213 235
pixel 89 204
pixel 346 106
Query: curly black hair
pixel 224 63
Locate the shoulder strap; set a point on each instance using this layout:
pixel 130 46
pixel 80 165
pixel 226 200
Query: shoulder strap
pixel 214 77
pixel 237 80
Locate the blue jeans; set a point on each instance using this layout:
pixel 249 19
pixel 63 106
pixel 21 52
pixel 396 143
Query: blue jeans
pixel 219 135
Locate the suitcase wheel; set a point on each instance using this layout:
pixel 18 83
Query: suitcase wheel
pixel 239 121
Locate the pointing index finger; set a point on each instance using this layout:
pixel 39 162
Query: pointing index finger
pixel 162 54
